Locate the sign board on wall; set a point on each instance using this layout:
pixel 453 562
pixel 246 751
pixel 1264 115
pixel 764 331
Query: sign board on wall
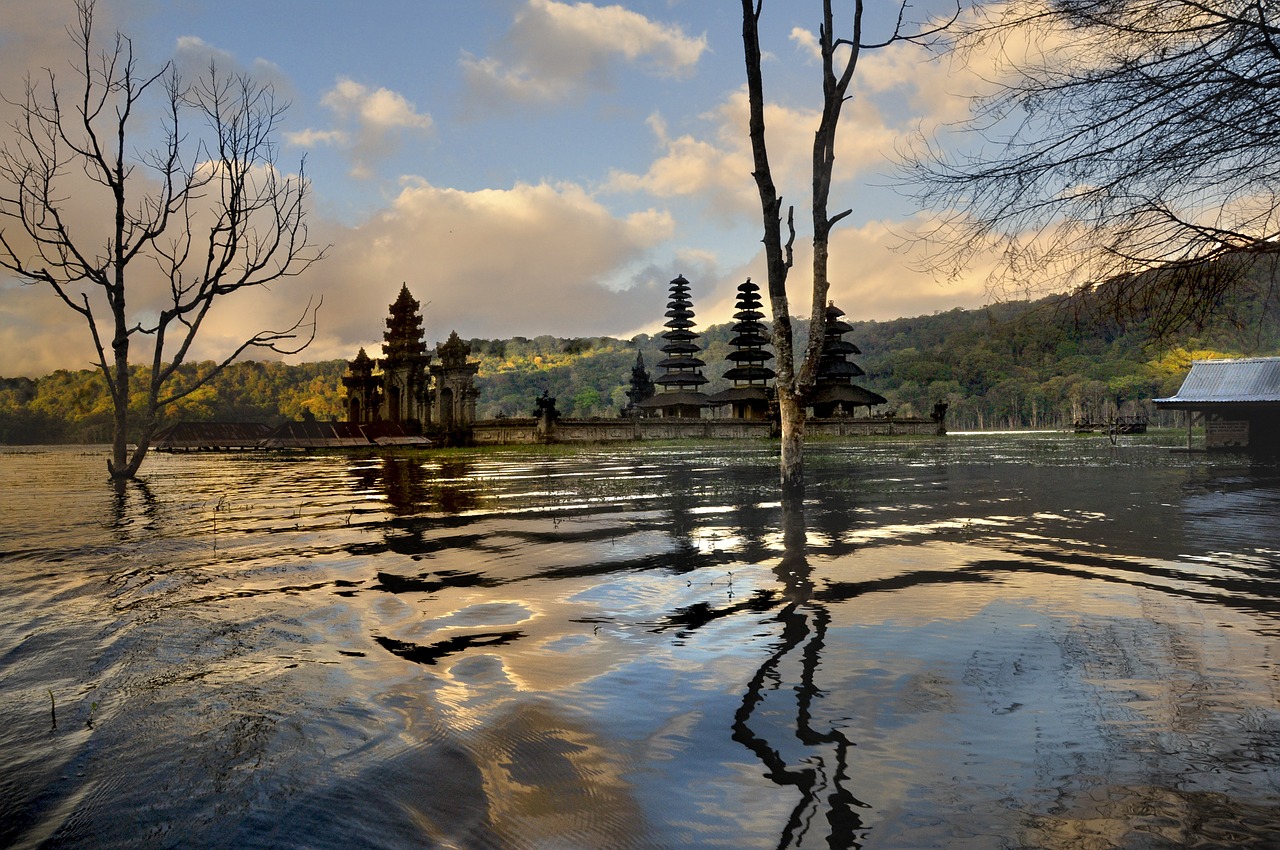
pixel 1226 433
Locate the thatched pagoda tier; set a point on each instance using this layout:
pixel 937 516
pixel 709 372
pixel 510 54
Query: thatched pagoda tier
pixel 749 375
pixel 837 369
pixel 750 340
pixel 680 362
pixel 675 399
pixel 834 393
pixel 682 379
pixel 739 394
pixel 849 395
pixel 681 371
pixel 840 346
pixel 748 354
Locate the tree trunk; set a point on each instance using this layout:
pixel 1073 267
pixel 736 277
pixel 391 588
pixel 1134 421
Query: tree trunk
pixel 791 411
pixel 119 466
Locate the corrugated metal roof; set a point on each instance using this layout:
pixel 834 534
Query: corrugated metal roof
pixel 210 435
pixel 1250 380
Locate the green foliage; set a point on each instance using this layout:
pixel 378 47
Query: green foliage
pixel 74 407
pixel 1020 365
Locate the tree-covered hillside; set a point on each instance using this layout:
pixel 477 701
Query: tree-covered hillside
pixel 1027 364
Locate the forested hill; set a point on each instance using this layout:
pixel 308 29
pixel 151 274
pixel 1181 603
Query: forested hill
pixel 1026 364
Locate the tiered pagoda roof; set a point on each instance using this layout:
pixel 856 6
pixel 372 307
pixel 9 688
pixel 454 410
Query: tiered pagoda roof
pixel 681 373
pixel 403 340
pixel 749 373
pixel 834 389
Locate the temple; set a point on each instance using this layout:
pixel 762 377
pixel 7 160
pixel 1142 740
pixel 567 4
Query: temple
pixel 681 374
pixel 453 400
pixel 411 396
pixel 750 395
pixel 834 392
pixel 404 388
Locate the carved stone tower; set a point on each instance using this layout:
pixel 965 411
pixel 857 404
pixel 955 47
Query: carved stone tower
pixel 404 366
pixel 364 391
pixel 453 404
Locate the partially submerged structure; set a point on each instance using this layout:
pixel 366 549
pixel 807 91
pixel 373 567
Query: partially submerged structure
pixel 308 434
pixel 1238 400
pixel 677 411
pixel 404 387
pixel 411 397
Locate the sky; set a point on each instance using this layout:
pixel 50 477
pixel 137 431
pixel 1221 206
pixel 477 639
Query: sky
pixel 526 167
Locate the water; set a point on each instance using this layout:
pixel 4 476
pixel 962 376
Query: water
pixel 987 641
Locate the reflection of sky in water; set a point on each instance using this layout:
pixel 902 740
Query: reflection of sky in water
pixel 1040 642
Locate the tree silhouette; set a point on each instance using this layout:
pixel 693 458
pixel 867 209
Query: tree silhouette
pixel 1127 147
pixel 199 218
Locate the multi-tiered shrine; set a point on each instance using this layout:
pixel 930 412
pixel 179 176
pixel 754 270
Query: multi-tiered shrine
pixel 750 395
pixel 681 375
pixel 834 392
pixel 403 387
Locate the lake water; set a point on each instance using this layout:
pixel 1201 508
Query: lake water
pixel 983 641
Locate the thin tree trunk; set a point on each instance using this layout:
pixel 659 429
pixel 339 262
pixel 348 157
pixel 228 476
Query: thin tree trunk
pixel 792 412
pixel 119 466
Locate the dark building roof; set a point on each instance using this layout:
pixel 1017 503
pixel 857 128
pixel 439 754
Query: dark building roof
pixel 756 393
pixel 680 398
pixel 848 394
pixel 1252 380
pixel 210 435
pixel 315 435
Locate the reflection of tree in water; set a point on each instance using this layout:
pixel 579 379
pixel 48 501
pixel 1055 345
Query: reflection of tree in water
pixel 820 773
pixel 125 494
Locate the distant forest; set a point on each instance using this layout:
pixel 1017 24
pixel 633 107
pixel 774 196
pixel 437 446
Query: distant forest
pixel 1015 365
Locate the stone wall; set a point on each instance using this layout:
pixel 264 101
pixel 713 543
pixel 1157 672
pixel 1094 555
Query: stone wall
pixel 847 427
pixel 493 432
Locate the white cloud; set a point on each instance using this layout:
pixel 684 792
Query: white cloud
pixel 555 51
pixel 374 109
pixel 369 124
pixel 807 43
pixel 311 138
pixel 528 260
pixel 717 166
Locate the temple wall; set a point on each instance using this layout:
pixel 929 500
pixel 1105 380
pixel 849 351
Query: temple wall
pixel 493 432
pixel 866 427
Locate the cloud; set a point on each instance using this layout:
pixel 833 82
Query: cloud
pixel 369 121
pixel 556 51
pixel 532 259
pixel 807 43
pixel 192 58
pixel 716 167
pixel 871 280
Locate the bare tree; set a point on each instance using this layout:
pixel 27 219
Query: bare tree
pixel 795 384
pixel 203 215
pixel 1127 149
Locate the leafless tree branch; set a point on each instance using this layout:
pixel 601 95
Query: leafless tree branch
pixel 209 210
